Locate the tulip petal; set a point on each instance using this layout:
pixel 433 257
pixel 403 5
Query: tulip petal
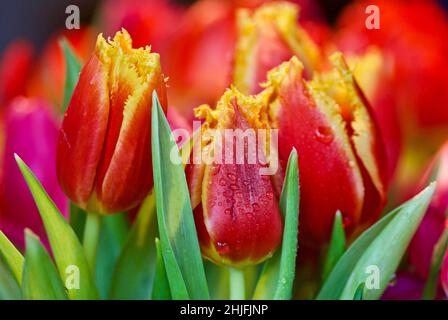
pixel 80 146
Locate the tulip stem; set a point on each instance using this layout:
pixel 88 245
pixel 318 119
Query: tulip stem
pixel 237 286
pixel 91 237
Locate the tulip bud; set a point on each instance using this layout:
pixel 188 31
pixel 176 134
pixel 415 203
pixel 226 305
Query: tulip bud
pixel 235 207
pixel 266 38
pixel 104 147
pixel 341 153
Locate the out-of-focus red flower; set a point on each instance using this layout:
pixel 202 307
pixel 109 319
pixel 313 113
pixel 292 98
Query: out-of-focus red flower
pixel 435 219
pixel 341 152
pixel 48 78
pixel 267 37
pixel 104 148
pixel 15 66
pixel 410 32
pixel 199 61
pixel 31 132
pixel 235 207
pixel 149 22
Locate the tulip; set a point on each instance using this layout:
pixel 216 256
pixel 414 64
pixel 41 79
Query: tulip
pixel 410 33
pixel 435 219
pixel 31 132
pixel 235 207
pixel 204 41
pixel 341 153
pixel 267 37
pixel 15 65
pixel 104 146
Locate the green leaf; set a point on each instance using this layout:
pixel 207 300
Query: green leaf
pixel 113 235
pixel 133 276
pixel 161 290
pixel 179 242
pixel 41 280
pixel 67 250
pixel 72 69
pixel 13 258
pixel 9 287
pixel 277 278
pixel 377 252
pixel 359 294
pixel 432 283
pixel 217 280
pixel 77 220
pixel 337 245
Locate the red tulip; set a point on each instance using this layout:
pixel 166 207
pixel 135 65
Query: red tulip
pixel 267 37
pixel 341 152
pixel 435 219
pixel 31 132
pixel 104 148
pixel 235 207
pixel 199 60
pixel 15 65
pixel 410 32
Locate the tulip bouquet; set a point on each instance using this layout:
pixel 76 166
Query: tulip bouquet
pixel 299 178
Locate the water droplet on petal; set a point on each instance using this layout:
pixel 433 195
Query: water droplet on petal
pixel 324 134
pixel 222 247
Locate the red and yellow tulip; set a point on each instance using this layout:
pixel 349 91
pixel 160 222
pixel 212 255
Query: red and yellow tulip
pixel 104 148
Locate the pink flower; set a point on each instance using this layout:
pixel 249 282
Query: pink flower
pixel 31 132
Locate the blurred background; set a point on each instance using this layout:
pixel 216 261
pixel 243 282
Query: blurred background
pixel 35 20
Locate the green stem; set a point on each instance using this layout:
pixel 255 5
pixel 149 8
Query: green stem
pixel 91 237
pixel 237 286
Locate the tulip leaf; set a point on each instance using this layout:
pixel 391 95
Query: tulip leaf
pixel 218 281
pixel 133 276
pixel 374 256
pixel 9 287
pixel 277 278
pixel 177 231
pixel 112 237
pixel 77 220
pixel 430 290
pixel 13 258
pixel 337 245
pixel 161 289
pixel 359 294
pixel 72 69
pixel 41 280
pixel 67 250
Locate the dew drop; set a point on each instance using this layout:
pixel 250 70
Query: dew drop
pixel 231 176
pixel 233 187
pixel 222 182
pixel 324 134
pixel 222 247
